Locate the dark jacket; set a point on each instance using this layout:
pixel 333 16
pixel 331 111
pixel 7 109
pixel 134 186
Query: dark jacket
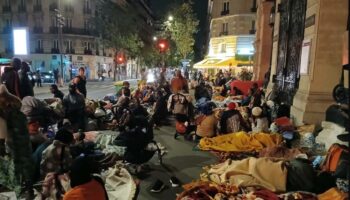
pixel 240 123
pixel 200 92
pixel 58 94
pixel 25 85
pixel 11 80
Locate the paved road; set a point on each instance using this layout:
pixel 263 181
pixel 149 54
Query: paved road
pixel 181 160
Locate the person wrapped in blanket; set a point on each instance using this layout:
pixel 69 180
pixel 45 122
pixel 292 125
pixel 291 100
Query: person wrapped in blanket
pixel 16 165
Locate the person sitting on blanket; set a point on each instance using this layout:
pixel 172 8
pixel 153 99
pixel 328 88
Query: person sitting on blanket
pixel 259 122
pixel 232 121
pixel 206 122
pixel 57 157
pixel 84 185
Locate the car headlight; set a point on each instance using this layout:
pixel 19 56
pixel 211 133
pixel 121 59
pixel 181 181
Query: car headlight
pixel 47 77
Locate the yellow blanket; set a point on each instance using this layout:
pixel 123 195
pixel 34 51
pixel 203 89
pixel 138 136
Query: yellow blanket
pixel 240 142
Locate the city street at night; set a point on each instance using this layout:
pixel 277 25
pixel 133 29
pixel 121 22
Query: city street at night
pixel 174 100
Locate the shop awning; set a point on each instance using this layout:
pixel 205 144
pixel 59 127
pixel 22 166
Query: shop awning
pixel 214 63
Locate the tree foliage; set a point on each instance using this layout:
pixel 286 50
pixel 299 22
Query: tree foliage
pixel 118 26
pixel 183 28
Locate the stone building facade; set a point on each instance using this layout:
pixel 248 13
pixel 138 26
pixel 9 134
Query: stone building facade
pixel 307 55
pixel 81 45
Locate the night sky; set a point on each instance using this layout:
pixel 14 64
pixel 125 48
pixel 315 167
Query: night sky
pixel 161 9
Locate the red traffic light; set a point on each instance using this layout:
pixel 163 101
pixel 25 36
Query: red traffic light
pixel 163 45
pixel 120 58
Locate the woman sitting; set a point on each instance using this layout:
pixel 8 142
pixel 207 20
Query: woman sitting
pixel 206 122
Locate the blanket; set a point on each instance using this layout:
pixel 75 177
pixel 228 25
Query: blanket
pixel 240 142
pixel 263 172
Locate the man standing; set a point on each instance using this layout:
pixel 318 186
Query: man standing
pixel 55 74
pixel 10 77
pixel 179 83
pixel 38 79
pixel 26 88
pixel 80 82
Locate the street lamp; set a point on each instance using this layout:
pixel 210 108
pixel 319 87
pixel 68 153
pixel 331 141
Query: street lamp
pixel 155 38
pixel 170 18
pixel 60 23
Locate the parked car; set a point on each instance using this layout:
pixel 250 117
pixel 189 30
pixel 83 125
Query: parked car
pixel 46 77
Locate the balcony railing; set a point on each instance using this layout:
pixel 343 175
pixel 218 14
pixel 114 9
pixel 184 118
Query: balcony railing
pixel 223 33
pixel 53 6
pixel 69 9
pixel 78 31
pixel 87 51
pixel 70 51
pixel 225 12
pixel 6 30
pixel 6 9
pixel 87 10
pixel 252 31
pixel 53 29
pixel 55 50
pixel 38 29
pixel 39 50
pixel 37 8
pixel 22 8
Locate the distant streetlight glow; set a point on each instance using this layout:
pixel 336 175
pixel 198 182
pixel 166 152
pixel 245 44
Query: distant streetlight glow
pixel 155 38
pixel 170 18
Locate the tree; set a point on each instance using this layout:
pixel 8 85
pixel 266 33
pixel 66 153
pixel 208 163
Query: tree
pixel 182 29
pixel 118 26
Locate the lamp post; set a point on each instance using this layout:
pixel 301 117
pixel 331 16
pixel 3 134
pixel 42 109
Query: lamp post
pixel 60 23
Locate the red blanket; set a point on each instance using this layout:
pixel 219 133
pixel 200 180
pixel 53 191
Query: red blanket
pixel 244 85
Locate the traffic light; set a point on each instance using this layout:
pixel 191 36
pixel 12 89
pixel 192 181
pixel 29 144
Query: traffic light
pixel 163 45
pixel 120 58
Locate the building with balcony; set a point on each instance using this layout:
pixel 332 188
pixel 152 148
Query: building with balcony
pixel 232 33
pixel 81 47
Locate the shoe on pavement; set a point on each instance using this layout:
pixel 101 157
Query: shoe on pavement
pixel 174 181
pixel 176 135
pixel 158 186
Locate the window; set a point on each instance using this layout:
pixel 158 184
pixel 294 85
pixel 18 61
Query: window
pixel 87 45
pixel 68 23
pixel 69 44
pixel 87 4
pixel 225 28
pixel 86 24
pixel 54 21
pixel 38 2
pixel 226 6
pixel 8 23
pixel 55 44
pixel 23 3
pixel 7 3
pixel 223 48
pixel 40 44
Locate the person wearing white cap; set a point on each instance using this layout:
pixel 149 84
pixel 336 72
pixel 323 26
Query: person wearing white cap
pixel 258 121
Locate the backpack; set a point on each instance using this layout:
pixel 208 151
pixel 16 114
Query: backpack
pixel 179 104
pixel 336 161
